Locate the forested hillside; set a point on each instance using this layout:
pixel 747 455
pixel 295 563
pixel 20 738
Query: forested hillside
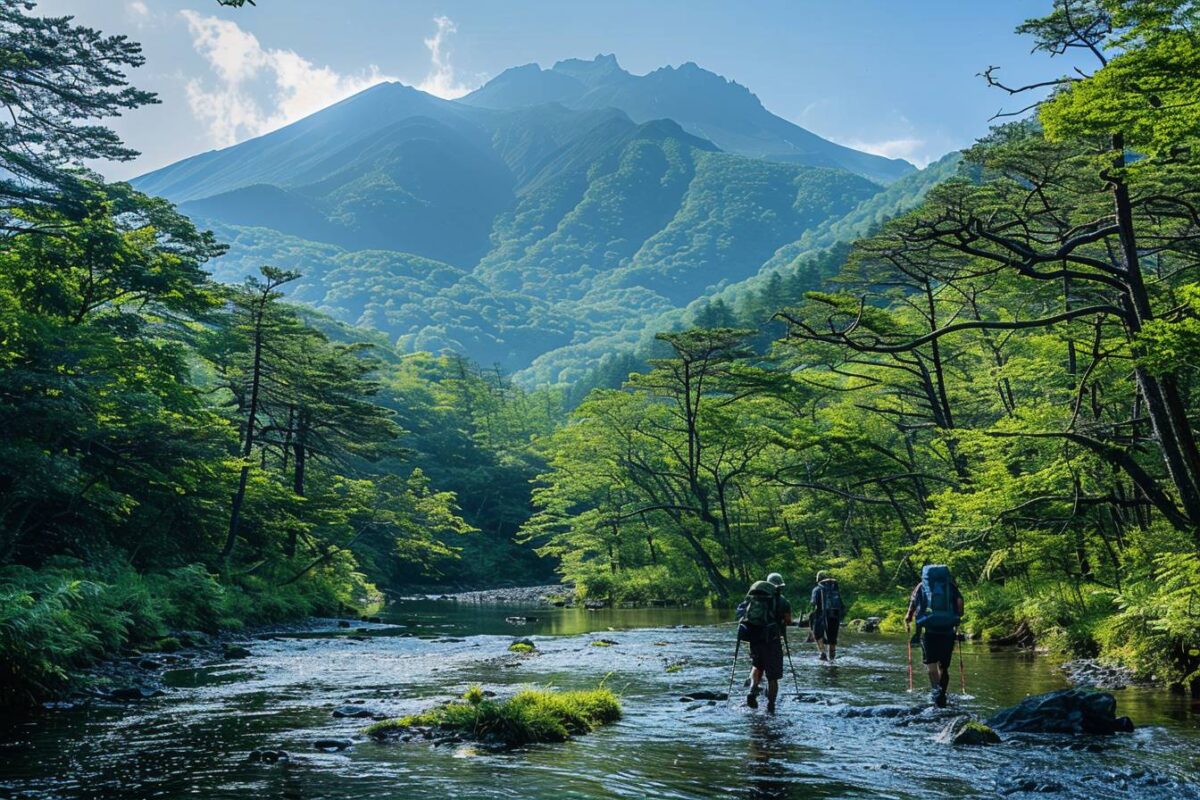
pixel 516 233
pixel 1002 379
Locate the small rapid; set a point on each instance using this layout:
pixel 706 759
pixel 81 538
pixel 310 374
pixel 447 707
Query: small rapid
pixel 194 742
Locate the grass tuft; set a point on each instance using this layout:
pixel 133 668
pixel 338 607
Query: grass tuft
pixel 526 718
pixel 521 647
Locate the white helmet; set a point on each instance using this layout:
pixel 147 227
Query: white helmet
pixel 776 580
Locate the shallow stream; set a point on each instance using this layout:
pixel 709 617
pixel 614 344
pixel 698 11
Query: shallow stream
pixel 194 742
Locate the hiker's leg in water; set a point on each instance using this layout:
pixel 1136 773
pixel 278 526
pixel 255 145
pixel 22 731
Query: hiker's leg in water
pixel 772 693
pixel 935 675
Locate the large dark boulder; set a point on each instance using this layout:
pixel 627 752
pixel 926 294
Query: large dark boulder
pixel 1070 711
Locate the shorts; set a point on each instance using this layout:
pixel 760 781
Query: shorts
pixel 767 655
pixel 937 647
pixel 825 629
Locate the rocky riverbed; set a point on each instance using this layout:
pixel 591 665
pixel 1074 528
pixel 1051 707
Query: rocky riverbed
pixel 289 720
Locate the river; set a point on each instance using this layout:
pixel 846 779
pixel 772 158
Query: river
pixel 194 742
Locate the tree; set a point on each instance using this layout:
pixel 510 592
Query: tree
pixel 258 324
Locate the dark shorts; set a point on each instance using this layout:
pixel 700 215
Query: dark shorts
pixel 937 647
pixel 825 629
pixel 767 655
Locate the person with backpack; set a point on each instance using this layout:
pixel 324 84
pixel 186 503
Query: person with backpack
pixel 762 617
pixel 826 617
pixel 937 606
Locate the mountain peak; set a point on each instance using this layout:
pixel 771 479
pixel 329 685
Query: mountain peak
pixel 603 67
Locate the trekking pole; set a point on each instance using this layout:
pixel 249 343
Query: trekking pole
pixel 962 676
pixel 788 650
pixel 908 641
pixel 733 668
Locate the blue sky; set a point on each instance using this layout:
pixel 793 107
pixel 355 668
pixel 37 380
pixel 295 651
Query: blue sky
pixel 898 77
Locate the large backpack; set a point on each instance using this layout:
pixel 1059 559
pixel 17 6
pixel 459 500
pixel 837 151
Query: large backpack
pixel 939 613
pixel 832 606
pixel 759 615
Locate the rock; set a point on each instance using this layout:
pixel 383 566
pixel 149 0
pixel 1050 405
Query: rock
pixel 59 705
pixel 1071 711
pixel 125 693
pixel 1093 674
pixel 269 756
pixel 192 639
pixel 357 712
pixel 519 620
pixel 168 644
pixel 703 695
pixel 235 651
pixel 965 731
pixel 343 623
pixel 149 664
pixel 870 625
pixel 332 745
pixel 881 712
pixel 1031 786
pixel 595 605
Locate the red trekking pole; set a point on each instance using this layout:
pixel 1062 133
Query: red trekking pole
pixel 908 638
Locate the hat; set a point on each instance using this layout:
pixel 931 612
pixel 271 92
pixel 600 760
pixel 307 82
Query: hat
pixel 776 580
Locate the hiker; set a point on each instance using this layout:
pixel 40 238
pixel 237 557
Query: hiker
pixel 937 606
pixel 762 618
pixel 826 615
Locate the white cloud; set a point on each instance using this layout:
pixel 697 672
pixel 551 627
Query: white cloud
pixel 138 9
pixel 910 149
pixel 259 89
pixel 441 80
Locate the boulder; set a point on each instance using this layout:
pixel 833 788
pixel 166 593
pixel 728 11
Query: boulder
pixel 235 651
pixel 133 693
pixel 357 712
pixel 965 731
pixel 268 756
pixel 1071 711
pixel 703 695
pixel 332 745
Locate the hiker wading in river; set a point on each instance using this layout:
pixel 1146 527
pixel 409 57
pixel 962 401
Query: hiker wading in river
pixel 762 617
pixel 826 617
pixel 937 606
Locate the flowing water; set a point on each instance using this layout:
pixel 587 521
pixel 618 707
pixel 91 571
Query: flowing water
pixel 194 742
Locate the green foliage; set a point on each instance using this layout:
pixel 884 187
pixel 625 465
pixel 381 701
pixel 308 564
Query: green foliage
pixel 523 648
pixel 528 717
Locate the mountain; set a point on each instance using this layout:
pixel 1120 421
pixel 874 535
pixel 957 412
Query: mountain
pixel 527 236
pixel 705 104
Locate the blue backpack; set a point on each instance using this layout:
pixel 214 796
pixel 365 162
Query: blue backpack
pixel 939 613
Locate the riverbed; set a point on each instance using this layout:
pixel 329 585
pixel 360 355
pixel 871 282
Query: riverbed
pixel 195 741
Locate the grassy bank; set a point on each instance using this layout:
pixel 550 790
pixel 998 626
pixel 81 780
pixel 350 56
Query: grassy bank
pixel 526 718
pixel 58 621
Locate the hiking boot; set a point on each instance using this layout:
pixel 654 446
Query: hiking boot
pixel 939 697
pixel 770 706
pixel 752 699
pixel 824 657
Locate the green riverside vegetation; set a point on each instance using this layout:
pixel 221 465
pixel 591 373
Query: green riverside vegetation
pixel 529 717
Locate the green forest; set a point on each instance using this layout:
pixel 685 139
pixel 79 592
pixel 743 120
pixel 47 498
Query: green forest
pixel 993 364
